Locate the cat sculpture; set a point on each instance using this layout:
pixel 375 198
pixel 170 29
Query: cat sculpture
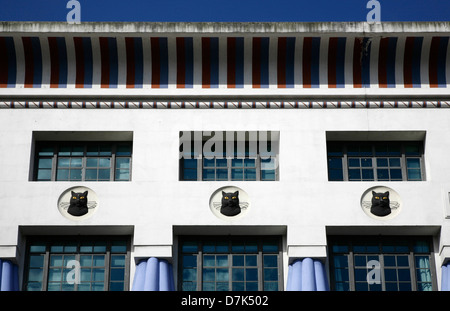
pixel 380 204
pixel 78 204
pixel 230 204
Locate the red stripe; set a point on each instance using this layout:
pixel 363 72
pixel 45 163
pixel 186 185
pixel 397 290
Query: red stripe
pixel 3 63
pixel 433 62
pixel 256 63
pixel 104 54
pixel 54 63
pixel 357 55
pixel 382 57
pixel 29 65
pixel 407 64
pixel 281 62
pixel 129 44
pixel 332 47
pixel 156 67
pixel 231 62
pixel 206 63
pixel 307 44
pixel 181 63
pixel 79 57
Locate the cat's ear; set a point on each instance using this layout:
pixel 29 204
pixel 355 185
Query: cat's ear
pixel 386 194
pixel 223 193
pixel 236 193
pixel 85 193
pixel 373 193
pixel 73 193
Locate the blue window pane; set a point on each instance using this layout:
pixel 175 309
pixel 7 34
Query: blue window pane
pixel 271 286
pixel 119 247
pixel 44 174
pixel 340 261
pixel 62 175
pixel 116 261
pixel 367 174
pixel 251 286
pixel 361 274
pixel 390 275
pixel 209 274
pixel 404 275
pixel 414 174
pixel 383 174
pixel 237 274
pixel 116 286
pixel 335 163
pixel 237 174
pixel 354 163
pixel 249 162
pixel 209 260
pixel 208 174
pixel 412 149
pixel 106 162
pixel 208 162
pixel 270 261
pixel 36 261
pixel 389 261
pixel 190 261
pixel 123 174
pixel 65 151
pixel 221 162
pixel 268 175
pixel 238 286
pixel 46 151
pixel 189 247
pixel 251 274
pixel 104 174
pixel 396 174
pixel 63 162
pixel 91 174
pixel 190 163
pixel 189 286
pixel 116 274
pixel 238 260
pixel 35 275
pixel 382 162
pixel 105 150
pixel 341 275
pixel 360 261
pixel 394 162
pixel 189 274
pixel 75 175
pixel 45 163
pixel 77 151
pixel 366 162
pixel 270 274
pixel 123 150
pixel 335 175
pixel 222 275
pixel 237 162
pixel 76 162
pixel 250 174
pixel 413 163
pixel 189 174
pixel 91 162
pixel 222 261
pixel 221 174
pixel 250 260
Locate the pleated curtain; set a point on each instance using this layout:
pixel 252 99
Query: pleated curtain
pixel 9 276
pixel 307 274
pixel 153 274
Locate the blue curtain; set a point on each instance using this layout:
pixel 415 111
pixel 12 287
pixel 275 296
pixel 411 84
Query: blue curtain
pixel 445 286
pixel 307 275
pixel 9 276
pixel 153 274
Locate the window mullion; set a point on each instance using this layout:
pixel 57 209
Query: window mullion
pixel 345 163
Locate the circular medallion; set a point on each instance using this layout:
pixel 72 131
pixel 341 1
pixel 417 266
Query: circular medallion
pixel 229 202
pixel 381 202
pixel 78 203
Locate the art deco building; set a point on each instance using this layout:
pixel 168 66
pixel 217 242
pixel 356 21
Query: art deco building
pixel 224 156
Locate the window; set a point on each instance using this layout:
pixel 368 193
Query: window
pixel 239 264
pixel 221 156
pixel 103 264
pixel 74 161
pixel 375 161
pixel 382 264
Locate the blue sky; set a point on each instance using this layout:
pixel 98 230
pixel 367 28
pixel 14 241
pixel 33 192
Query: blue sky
pixel 225 10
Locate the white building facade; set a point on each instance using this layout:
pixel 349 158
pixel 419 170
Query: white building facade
pixel 224 156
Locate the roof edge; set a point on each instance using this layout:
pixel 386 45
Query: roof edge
pixel 226 27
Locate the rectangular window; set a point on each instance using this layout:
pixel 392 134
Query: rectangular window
pixel 375 161
pixel 71 264
pixel 221 156
pixel 382 264
pixel 78 161
pixel 237 264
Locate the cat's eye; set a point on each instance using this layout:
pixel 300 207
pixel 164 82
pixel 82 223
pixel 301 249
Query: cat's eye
pixel 233 197
pixel 384 198
pixel 377 198
pixel 226 198
pixel 81 197
pixel 74 197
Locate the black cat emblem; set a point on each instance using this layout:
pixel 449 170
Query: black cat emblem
pixel 230 204
pixel 380 205
pixel 78 204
